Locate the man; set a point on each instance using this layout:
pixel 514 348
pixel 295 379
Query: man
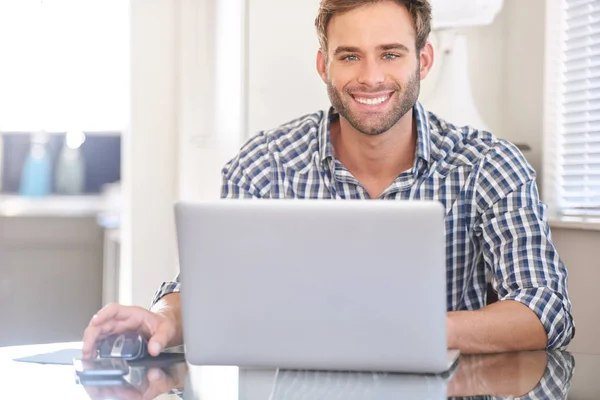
pixel 377 142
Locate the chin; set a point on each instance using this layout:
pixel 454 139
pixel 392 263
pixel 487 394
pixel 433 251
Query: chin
pixel 373 131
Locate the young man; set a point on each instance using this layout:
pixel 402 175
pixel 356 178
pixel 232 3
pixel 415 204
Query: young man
pixel 377 142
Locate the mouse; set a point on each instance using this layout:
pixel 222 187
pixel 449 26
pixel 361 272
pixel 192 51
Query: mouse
pixel 127 346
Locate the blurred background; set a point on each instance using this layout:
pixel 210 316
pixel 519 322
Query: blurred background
pixel 112 110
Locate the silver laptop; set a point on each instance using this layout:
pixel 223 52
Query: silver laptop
pixel 314 284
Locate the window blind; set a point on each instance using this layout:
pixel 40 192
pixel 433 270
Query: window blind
pixel 578 141
pixel 63 65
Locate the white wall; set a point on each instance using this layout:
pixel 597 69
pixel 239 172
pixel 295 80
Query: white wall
pixel 149 152
pixel 524 79
pixel 212 59
pixel 283 83
pixel 196 105
pixel 187 118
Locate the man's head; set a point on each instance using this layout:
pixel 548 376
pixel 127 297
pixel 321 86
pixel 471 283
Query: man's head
pixel 373 55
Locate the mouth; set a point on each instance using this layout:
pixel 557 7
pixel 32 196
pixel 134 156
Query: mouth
pixel 372 99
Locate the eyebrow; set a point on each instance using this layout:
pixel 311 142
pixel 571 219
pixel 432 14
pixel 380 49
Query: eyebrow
pixel 346 49
pixel 383 47
pixel 393 46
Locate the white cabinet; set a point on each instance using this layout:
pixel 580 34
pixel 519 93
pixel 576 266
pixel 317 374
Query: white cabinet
pixel 50 278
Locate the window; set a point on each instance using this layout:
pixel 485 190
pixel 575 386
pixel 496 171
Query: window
pixel 63 65
pixel 572 108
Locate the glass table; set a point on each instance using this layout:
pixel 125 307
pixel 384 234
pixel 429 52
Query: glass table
pixel 525 375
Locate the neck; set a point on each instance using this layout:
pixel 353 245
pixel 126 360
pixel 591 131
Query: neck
pixel 383 156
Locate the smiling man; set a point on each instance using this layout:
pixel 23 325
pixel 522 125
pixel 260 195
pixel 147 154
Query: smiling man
pixel 377 142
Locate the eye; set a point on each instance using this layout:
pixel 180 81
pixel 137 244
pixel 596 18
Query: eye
pixel 350 58
pixel 391 56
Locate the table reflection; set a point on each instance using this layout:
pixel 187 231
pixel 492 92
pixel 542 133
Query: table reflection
pixel 525 375
pixel 142 383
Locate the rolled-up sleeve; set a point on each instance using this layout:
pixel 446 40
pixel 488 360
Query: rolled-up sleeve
pixel 165 289
pixel 519 250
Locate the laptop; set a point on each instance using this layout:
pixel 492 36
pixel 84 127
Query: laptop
pixel 349 285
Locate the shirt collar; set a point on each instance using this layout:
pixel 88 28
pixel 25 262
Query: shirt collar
pixel 423 149
pixel 423 134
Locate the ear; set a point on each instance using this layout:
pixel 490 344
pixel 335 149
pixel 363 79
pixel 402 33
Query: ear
pixel 322 65
pixel 426 59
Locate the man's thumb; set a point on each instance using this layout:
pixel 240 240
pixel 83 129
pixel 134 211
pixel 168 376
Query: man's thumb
pixel 159 341
pixel 154 348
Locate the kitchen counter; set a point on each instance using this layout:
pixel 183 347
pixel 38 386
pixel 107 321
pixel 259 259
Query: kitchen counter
pixel 51 206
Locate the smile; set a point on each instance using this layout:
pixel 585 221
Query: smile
pixel 372 101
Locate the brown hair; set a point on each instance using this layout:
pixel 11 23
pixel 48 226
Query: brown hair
pixel 420 11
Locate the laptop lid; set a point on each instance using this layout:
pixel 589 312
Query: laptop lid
pixel 317 284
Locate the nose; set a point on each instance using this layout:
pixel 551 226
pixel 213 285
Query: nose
pixel 371 73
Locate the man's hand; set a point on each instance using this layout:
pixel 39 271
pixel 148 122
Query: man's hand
pixel 161 328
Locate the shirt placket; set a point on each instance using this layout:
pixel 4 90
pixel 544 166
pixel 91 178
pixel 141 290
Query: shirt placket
pixel 347 186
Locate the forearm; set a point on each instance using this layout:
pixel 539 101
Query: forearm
pixel 499 327
pixel 170 306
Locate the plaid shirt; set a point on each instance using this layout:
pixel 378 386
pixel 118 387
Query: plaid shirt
pixel 496 225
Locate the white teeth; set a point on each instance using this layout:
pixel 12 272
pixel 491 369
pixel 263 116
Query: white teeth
pixel 372 102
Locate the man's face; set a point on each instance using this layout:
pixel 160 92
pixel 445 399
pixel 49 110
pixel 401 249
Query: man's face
pixel 372 70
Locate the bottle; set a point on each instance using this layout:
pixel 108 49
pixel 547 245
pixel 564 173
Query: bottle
pixel 36 174
pixel 70 168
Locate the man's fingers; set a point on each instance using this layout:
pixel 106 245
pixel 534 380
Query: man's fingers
pixel 155 346
pixel 98 324
pixel 116 312
pixel 90 336
pixel 107 312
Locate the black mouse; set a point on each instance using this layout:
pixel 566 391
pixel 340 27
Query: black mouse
pixel 128 346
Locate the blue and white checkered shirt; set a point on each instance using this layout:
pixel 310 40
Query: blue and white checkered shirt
pixel 496 225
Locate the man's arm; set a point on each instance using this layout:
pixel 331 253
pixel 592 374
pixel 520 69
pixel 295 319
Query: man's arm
pixel 534 311
pixel 499 327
